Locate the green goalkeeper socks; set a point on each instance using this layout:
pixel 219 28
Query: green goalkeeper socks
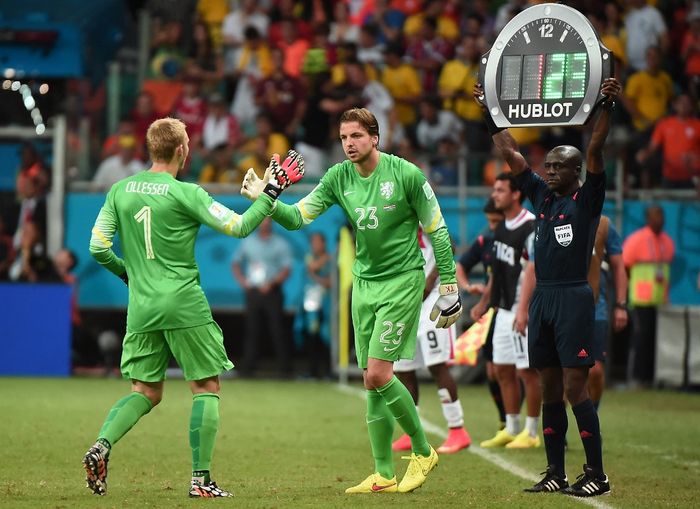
pixel 124 414
pixel 401 405
pixel 204 423
pixel 380 424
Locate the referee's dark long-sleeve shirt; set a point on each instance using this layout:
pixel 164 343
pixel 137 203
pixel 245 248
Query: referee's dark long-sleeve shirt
pixel 565 227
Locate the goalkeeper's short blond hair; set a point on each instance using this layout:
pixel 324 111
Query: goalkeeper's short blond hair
pixel 163 137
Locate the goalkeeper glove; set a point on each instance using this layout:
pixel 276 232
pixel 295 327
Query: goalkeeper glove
pixel 447 307
pixel 278 176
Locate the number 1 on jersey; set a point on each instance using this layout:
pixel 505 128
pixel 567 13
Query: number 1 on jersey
pixel 144 216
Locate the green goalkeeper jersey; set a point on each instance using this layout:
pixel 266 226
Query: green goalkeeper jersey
pixel 384 209
pixel 157 218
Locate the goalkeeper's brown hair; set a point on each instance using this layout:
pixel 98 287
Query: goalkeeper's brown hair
pixel 163 137
pixel 364 117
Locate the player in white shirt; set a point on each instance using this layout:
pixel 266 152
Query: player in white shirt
pixel 434 351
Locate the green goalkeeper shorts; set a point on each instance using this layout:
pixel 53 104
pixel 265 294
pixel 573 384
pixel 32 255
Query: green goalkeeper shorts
pixel 385 316
pixel 199 351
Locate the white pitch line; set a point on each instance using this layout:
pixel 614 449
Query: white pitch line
pixel 495 459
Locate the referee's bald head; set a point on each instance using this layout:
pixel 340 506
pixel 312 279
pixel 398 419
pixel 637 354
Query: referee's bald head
pixel 571 156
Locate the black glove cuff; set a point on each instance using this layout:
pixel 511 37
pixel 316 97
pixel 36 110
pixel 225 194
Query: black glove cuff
pixel 490 125
pixel 453 308
pixel 272 191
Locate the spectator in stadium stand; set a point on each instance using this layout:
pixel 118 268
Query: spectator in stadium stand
pixel 213 13
pixel 610 40
pixel 506 12
pixel 428 52
pixel 348 53
pixel 369 49
pixel 254 64
pixel 32 263
pixel 389 21
pixel 645 28
pixel 7 251
pixel 690 53
pixel 260 147
pixel 220 168
pixel 233 30
pixel 119 166
pixel 293 46
pixel 315 137
pixel 457 79
pixel 403 83
pixel 286 10
pixel 191 108
pixel 219 126
pixel 143 115
pixel 322 53
pixel 31 194
pixel 436 124
pixel 167 55
pixel 282 97
pixel 646 98
pixel 32 166
pixel 445 27
pixel 375 97
pixel 110 147
pixel 342 30
pixel 261 265
pixel 478 20
pixel 679 137
pixel 647 254
pixel 204 62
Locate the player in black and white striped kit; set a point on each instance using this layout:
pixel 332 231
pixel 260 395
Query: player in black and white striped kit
pixel 510 287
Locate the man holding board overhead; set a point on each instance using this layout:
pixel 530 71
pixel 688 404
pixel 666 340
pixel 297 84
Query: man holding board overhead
pixel 562 308
pixel 566 213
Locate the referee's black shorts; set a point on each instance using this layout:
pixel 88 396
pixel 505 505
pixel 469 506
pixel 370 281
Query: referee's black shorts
pixel 561 325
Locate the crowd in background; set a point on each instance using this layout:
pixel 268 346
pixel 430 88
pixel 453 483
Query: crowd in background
pixel 251 78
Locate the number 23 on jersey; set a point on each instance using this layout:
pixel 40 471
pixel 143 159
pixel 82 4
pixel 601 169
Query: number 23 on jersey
pixel 367 218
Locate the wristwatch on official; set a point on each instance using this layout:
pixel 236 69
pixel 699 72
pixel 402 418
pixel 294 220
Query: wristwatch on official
pixel 621 305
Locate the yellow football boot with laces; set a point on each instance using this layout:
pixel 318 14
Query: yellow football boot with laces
pixel 375 483
pixel 418 469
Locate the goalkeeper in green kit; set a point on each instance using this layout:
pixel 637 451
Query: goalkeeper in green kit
pixel 384 197
pixel 157 219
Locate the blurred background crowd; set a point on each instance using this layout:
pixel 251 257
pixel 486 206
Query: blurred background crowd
pixel 251 78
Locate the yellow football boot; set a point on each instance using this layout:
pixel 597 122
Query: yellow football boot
pixel 375 483
pixel 499 440
pixel 523 440
pixel 418 469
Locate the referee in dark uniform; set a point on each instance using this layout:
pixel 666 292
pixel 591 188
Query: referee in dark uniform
pixel 562 310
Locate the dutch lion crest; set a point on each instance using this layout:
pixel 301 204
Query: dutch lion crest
pixel 386 189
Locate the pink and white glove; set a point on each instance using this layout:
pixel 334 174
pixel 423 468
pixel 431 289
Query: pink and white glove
pixel 278 176
pixel 289 171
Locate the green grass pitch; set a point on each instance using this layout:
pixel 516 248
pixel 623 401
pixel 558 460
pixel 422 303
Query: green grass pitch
pixel 300 444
